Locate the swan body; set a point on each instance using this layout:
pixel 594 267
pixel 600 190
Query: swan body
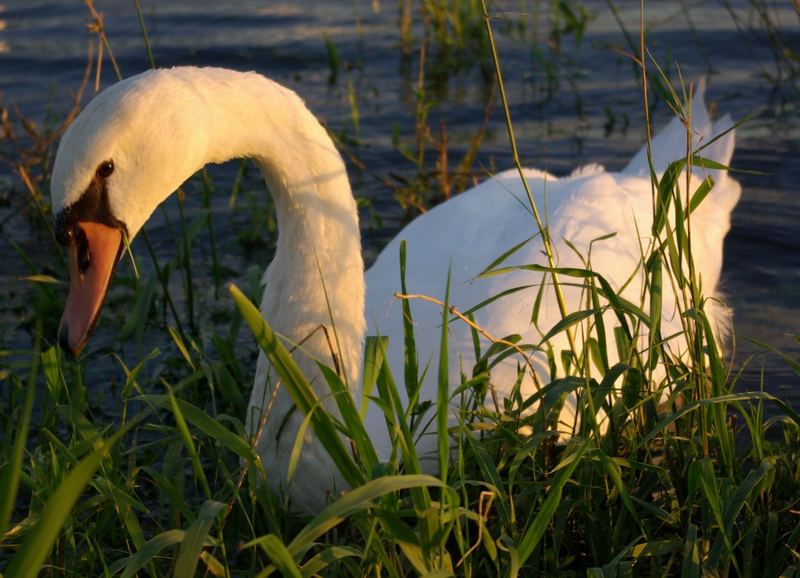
pixel 137 141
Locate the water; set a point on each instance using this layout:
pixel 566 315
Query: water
pixel 592 114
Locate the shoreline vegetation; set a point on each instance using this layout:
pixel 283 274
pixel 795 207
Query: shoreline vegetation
pixel 704 485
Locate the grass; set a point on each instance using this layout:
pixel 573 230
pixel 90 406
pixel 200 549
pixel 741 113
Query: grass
pixel 169 485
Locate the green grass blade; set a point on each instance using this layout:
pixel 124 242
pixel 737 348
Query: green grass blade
pixel 297 446
pixel 690 566
pixel 280 556
pixel 174 496
pixel 568 321
pixel 395 417
pixel 708 163
pixel 600 329
pixel 127 506
pixel 506 255
pixel 734 504
pixel 722 399
pixel 207 424
pixel 373 361
pixel 655 270
pixel 492 478
pixel 356 500
pixel 145 555
pixel 793 364
pixel 701 474
pixel 404 537
pixel 537 527
pixel 701 193
pixel 181 345
pixel 9 480
pixel 188 442
pixel 494 298
pixel 443 390
pixel 411 364
pixel 298 387
pixel 619 305
pixel 325 558
pixel 666 187
pixel 195 538
pixel 351 418
pixel 613 471
pixel 784 556
pixel 37 543
pixel 397 424
pixel 440 573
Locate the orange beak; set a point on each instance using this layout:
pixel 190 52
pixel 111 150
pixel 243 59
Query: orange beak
pixel 93 253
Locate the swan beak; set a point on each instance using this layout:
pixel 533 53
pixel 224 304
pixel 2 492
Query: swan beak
pixel 93 252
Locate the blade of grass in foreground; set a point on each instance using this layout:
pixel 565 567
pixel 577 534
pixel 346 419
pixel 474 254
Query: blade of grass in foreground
pixel 9 480
pixel 37 544
pixel 358 499
pixel 146 553
pixel 537 528
pixel 298 387
pixel 210 426
pixel 411 364
pixel 280 556
pixel 180 421
pixel 195 538
pixel 443 390
pixel 350 415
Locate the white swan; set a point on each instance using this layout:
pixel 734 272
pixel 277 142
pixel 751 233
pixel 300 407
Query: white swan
pixel 137 141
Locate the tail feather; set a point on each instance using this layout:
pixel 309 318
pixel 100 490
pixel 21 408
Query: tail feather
pixel 669 144
pixel 721 150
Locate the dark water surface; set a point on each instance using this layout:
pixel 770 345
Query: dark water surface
pixel 587 109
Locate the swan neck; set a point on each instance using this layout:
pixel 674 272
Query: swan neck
pixel 316 277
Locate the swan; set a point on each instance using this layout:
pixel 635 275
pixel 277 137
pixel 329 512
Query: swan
pixel 140 139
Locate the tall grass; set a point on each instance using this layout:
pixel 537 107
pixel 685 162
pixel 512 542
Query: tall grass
pixel 701 486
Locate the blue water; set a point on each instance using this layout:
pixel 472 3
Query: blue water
pixel 588 110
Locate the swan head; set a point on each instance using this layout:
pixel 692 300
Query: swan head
pixel 129 149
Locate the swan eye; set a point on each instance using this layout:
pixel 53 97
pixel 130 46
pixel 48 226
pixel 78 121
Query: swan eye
pixel 105 169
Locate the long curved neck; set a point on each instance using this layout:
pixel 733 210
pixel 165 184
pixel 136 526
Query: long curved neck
pixel 317 275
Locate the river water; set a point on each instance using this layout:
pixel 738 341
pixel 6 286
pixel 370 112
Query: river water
pixel 573 100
